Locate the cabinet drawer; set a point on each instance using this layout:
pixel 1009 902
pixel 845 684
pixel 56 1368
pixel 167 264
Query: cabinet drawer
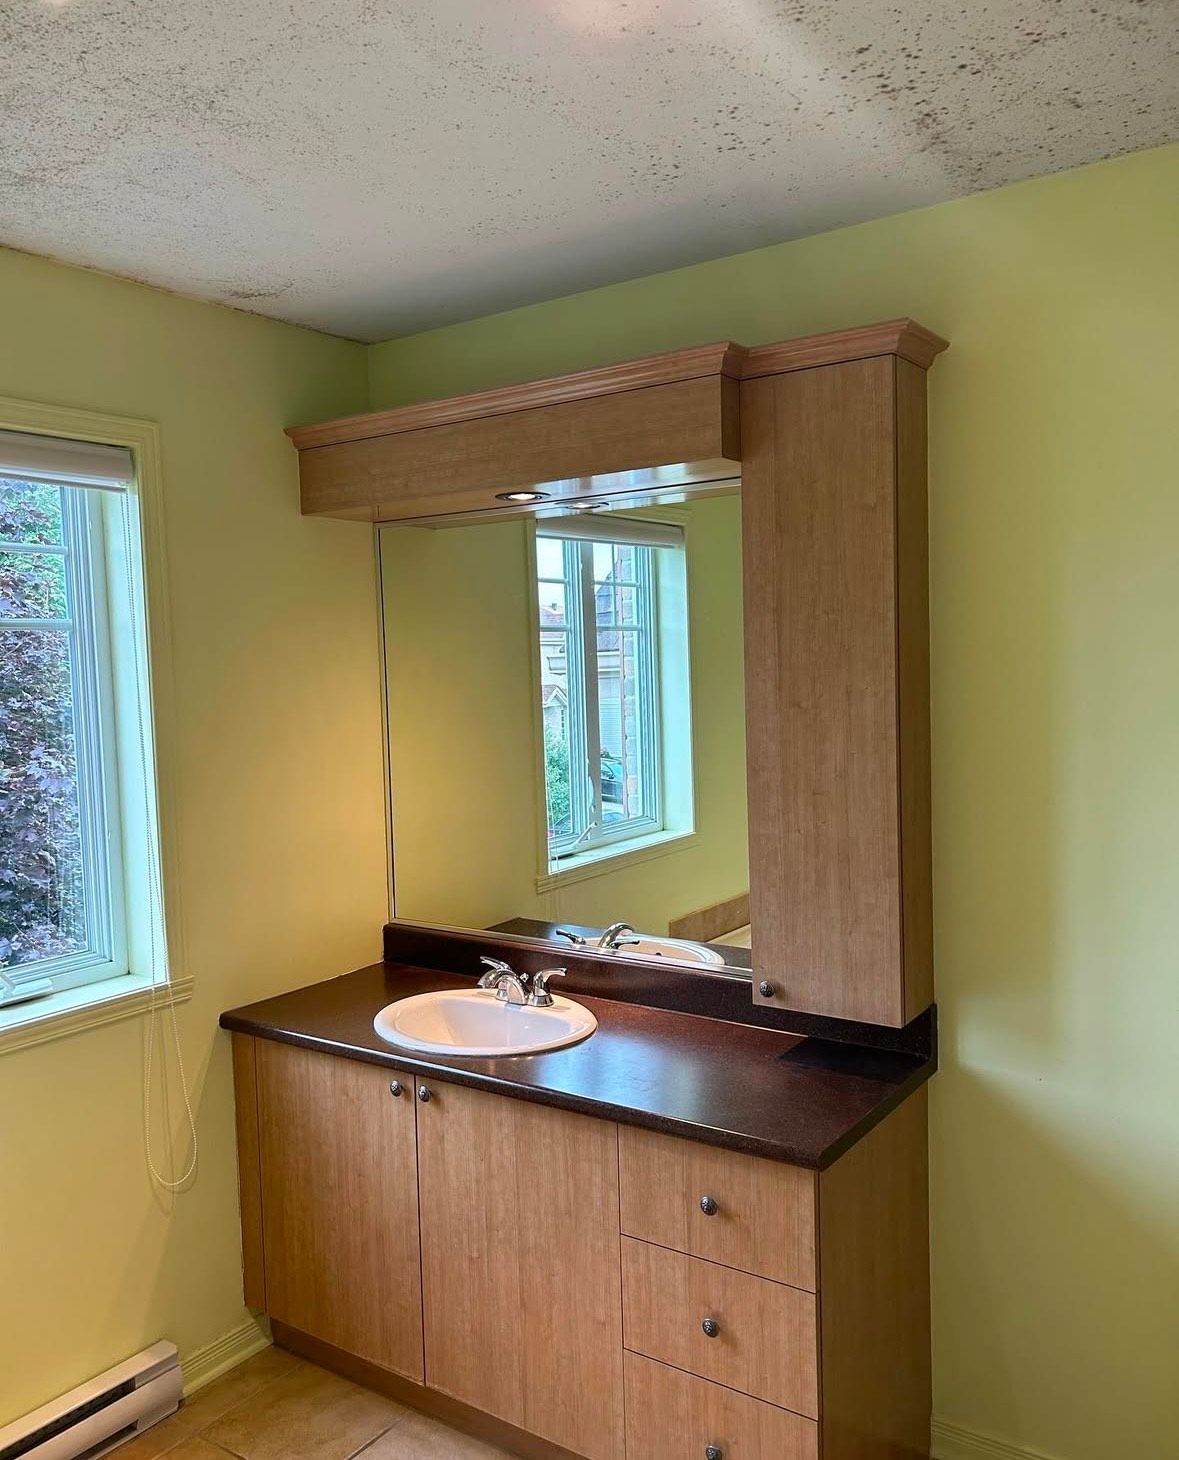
pixel 670 1416
pixel 748 1213
pixel 765 1332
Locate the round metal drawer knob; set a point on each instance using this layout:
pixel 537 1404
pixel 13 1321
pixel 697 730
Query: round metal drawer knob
pixel 766 989
pixel 395 1088
pixel 708 1206
pixel 423 1093
pixel 713 1452
pixel 711 1327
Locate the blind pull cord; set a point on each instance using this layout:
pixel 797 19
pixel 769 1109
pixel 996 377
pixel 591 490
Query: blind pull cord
pixel 155 896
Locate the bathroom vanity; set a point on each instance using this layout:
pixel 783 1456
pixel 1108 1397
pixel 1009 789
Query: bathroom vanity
pixel 682 1237
pixel 656 672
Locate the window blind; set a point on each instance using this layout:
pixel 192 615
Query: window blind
pixel 29 457
pixel 607 527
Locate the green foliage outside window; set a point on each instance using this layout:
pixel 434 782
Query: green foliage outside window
pixel 556 779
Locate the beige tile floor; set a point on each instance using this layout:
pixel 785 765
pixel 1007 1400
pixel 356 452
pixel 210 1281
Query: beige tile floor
pixel 276 1407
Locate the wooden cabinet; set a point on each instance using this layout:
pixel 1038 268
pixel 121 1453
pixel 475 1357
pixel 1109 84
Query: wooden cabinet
pixel 543 1278
pixel 520 1265
pixel 671 1415
pixel 447 465
pixel 746 1332
pixel 339 1202
pixel 835 559
pixel 755 1215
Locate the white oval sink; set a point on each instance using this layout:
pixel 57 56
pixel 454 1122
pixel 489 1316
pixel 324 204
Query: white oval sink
pixel 475 1022
pixel 674 950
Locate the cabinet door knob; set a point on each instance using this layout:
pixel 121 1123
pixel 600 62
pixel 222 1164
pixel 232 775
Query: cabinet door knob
pixel 711 1327
pixel 423 1093
pixel 708 1206
pixel 766 989
pixel 713 1452
pixel 395 1088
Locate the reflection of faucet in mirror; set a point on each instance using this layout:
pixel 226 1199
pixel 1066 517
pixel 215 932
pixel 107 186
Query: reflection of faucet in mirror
pixel 612 937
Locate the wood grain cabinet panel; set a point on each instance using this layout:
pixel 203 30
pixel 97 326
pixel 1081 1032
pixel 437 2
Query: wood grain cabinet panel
pixel 766 1333
pixel 755 1215
pixel 520 1261
pixel 836 684
pixel 568 448
pixel 339 1204
pixel 249 1171
pixel 874 1293
pixel 675 1416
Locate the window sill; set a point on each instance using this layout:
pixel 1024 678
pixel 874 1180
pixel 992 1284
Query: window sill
pixel 604 860
pixel 69 1012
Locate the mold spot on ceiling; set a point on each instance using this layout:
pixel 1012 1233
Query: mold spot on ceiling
pixel 374 169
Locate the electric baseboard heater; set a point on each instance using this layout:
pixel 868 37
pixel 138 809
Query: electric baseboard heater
pixel 100 1414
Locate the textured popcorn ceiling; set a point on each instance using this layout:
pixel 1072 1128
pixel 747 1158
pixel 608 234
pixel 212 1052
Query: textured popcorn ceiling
pixel 372 167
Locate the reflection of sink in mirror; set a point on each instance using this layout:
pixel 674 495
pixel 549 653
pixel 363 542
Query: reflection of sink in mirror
pixel 672 949
pixel 566 723
pixel 731 951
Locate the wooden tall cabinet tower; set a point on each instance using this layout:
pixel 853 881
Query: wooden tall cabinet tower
pixel 833 486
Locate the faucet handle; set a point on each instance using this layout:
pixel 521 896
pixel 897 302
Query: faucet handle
pixel 540 998
pixel 496 968
pixel 575 938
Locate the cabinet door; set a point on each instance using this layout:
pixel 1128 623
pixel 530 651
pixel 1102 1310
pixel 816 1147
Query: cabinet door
pixel 520 1262
pixel 340 1203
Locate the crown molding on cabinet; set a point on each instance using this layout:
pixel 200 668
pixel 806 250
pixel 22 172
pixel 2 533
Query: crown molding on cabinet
pixel 902 337
pixel 719 359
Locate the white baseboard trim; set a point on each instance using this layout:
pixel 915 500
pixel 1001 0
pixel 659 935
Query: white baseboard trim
pixel 204 1365
pixel 953 1442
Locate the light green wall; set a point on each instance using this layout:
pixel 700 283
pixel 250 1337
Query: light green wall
pixel 1054 526
pixel 277 757
pixel 466 810
pixel 1055 579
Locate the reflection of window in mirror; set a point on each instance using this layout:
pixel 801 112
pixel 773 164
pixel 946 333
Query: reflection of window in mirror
pixel 613 696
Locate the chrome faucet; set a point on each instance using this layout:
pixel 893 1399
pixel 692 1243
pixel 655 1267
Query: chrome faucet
pixel 510 987
pixel 612 937
pixel 575 938
pixel 519 988
pixel 540 998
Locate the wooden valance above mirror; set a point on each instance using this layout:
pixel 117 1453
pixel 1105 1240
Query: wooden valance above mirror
pixel 657 422
pixel 828 437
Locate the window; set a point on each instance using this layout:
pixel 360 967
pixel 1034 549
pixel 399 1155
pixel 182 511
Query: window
pixel 74 751
pixel 602 680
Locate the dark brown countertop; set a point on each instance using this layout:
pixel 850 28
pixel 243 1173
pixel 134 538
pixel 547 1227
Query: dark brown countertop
pixel 781 1096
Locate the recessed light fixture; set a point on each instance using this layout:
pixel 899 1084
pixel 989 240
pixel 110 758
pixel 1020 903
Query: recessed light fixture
pixel 522 496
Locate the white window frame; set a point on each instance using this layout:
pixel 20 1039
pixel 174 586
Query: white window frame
pixel 83 552
pixel 592 836
pixel 158 974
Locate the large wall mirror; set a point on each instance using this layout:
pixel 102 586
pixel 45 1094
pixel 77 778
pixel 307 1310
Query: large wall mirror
pixel 566 726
